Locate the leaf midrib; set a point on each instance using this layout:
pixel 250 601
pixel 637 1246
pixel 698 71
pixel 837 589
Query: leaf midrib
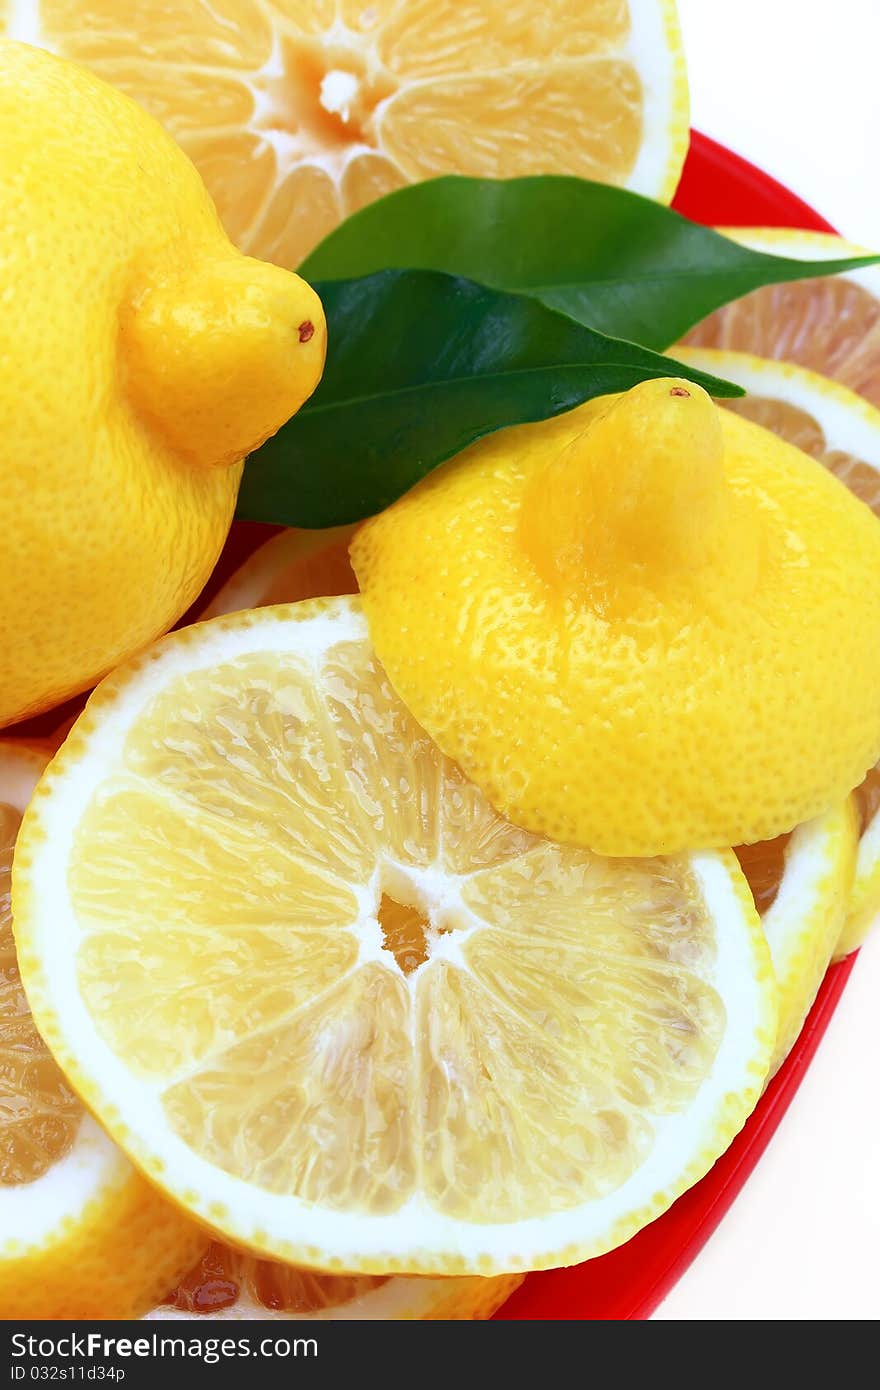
pixel 568 365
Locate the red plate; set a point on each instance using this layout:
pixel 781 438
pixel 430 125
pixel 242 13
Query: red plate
pixel 721 189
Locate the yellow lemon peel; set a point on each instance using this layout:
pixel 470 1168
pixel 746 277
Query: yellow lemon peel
pixel 619 623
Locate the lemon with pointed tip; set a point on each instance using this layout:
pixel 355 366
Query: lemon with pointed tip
pixel 644 626
pixel 143 357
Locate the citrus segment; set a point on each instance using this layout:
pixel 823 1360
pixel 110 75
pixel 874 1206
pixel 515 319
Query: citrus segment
pixel 297 114
pixel 411 1089
pixel 83 1236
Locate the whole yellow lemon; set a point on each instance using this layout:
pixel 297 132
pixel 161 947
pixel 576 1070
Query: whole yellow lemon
pixel 142 358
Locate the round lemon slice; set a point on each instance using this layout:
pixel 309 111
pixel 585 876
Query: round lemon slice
pixel 339 1009
pixel 841 430
pixel 82 1235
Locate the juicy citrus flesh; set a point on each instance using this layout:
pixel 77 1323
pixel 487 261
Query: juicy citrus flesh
pixel 523 676
pixel 802 885
pixel 230 1283
pixel 298 112
pixel 39 1114
pixel 340 1104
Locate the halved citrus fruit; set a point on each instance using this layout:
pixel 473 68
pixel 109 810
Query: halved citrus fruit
pixel 298 112
pixel 357 1020
pixel 842 431
pixel 829 325
pixel 82 1235
pixel 229 1284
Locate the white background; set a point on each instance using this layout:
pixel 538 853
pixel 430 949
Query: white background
pixel 793 85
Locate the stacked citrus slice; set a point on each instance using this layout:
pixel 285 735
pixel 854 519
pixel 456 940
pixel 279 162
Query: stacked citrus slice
pixel 83 1234
pixel 298 112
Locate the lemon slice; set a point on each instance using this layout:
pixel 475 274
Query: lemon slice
pixel 230 1285
pixel 802 883
pixel 338 1008
pixel 841 430
pixel 296 115
pixel 81 1234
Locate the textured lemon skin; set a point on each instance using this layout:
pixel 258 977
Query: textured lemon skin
pixel 108 532
pixel 720 707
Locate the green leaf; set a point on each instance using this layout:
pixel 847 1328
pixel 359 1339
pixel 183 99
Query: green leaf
pixel 621 263
pixel 420 365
